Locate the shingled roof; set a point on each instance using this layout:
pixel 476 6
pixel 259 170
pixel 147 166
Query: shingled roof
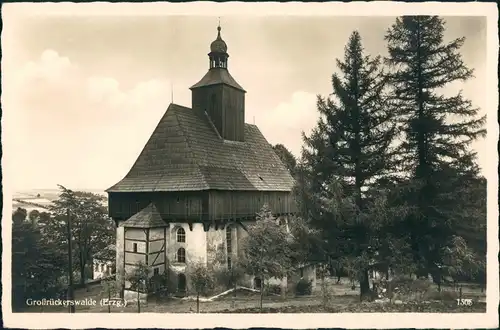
pixel 148 217
pixel 185 153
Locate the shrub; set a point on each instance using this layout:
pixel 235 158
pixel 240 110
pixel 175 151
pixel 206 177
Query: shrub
pixel 444 295
pixel 303 288
pixel 273 289
pixel 403 288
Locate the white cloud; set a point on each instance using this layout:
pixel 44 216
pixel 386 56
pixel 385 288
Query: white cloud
pixel 285 123
pixel 77 130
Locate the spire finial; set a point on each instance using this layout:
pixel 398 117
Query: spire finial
pixel 218 29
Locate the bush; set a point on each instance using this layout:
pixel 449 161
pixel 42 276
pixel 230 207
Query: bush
pixel 303 288
pixel 273 289
pixel 403 287
pixel 444 295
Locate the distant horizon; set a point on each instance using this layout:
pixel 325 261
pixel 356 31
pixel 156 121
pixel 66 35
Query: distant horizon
pixel 20 190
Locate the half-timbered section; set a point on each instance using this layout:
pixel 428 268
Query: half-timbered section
pixel 201 175
pixel 144 243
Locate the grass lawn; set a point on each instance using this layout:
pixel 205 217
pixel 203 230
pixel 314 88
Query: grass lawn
pixel 343 300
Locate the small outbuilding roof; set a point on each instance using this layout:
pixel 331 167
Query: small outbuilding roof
pixel 148 217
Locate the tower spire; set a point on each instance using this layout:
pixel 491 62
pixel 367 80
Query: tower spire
pixel 218 31
pixel 218 52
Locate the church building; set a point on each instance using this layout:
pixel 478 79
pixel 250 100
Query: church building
pixel 203 174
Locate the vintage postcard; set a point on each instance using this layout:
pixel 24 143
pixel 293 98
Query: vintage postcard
pixel 192 165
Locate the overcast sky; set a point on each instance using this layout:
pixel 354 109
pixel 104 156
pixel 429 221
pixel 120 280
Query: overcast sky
pixel 86 92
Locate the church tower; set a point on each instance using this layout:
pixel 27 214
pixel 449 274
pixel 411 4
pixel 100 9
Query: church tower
pixel 219 97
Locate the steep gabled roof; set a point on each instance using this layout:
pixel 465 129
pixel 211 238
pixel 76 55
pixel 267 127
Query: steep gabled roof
pixel 148 217
pixel 185 153
pixel 217 76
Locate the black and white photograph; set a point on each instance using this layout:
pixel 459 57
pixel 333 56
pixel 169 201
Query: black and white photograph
pixel 170 162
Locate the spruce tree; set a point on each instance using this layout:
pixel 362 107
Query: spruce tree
pixel 347 151
pixel 437 130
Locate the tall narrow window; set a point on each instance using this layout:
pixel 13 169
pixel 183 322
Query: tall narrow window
pixel 181 235
pixel 229 264
pixel 135 247
pixel 156 271
pixel 228 240
pixel 181 255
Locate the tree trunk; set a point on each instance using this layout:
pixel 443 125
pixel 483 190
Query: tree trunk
pixel 364 285
pixel 197 302
pixel 324 288
pixel 261 292
pixel 138 300
pixel 109 298
pixel 234 296
pixel 82 270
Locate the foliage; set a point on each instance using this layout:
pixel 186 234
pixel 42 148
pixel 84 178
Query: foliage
pixel 201 278
pixel 355 307
pixel 305 244
pixel 286 157
pixel 139 280
pixel 110 289
pixel 303 287
pixel 109 286
pixel 347 151
pixel 92 230
pixel 437 131
pixel 229 278
pixel 445 295
pixel 273 289
pixel 266 249
pixel 404 288
pixel 37 263
pixel 138 277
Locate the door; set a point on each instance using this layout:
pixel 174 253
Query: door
pixel 181 283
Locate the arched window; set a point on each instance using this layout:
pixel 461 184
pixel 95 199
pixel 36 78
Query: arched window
pixel 181 255
pixel 181 235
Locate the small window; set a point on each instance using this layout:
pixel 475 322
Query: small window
pixel 156 271
pixel 181 235
pixel 135 247
pixel 181 255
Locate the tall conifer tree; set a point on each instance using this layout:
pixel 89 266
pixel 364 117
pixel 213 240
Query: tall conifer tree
pixel 437 129
pixel 347 151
